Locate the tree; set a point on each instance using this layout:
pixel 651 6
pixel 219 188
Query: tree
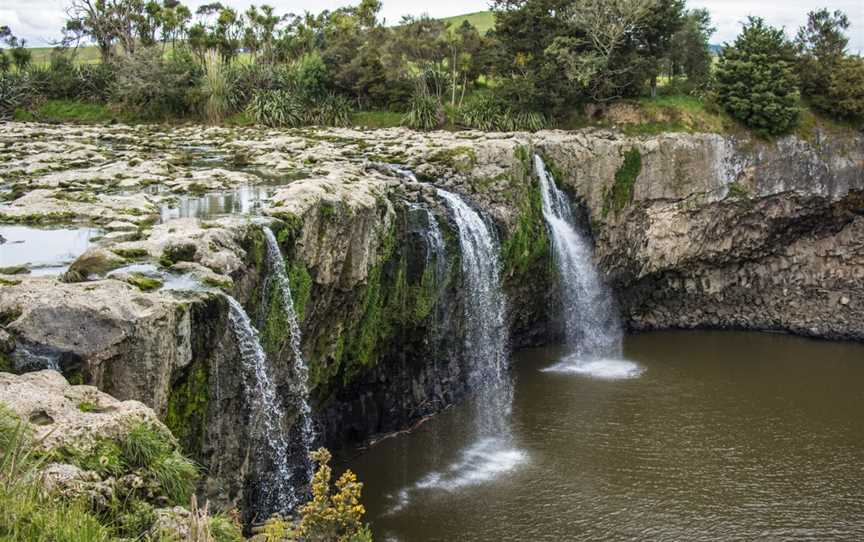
pixel 689 52
pixel 654 35
pixel 106 22
pixel 531 77
pixel 259 35
pixel 21 56
pixel 846 89
pixel 821 47
pixel 756 82
pixel 601 57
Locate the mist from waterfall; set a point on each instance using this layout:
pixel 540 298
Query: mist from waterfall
pixel 278 277
pixel 591 322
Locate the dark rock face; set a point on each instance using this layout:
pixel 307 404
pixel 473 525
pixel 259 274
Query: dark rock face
pixel 790 264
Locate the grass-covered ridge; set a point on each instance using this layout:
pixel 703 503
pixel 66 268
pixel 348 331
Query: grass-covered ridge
pixel 129 479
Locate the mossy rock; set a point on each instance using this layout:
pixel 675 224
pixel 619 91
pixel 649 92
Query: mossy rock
pixel 180 252
pixel 15 270
pixel 94 262
pixel 143 282
pixel 621 193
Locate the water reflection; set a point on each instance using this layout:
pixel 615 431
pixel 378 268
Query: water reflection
pixel 46 251
pixel 245 200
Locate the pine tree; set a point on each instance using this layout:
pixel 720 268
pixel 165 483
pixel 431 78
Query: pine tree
pixel 756 82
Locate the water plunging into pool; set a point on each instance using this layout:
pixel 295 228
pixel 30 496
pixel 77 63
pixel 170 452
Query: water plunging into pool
pixel 592 328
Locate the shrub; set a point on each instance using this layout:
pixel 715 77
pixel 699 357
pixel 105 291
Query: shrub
pixel 755 80
pixel 487 112
pixel 333 514
pixel 63 80
pixel 215 89
pixel 846 89
pixel 154 87
pixel 424 113
pixel 331 110
pixel 276 108
pixel 283 108
pixel 15 92
pixel 95 82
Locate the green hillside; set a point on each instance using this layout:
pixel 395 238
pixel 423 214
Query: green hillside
pixel 482 20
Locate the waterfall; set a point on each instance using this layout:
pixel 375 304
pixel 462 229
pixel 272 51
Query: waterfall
pixel 591 321
pixel 590 318
pixel 267 411
pixel 486 333
pixel 486 345
pixel 300 383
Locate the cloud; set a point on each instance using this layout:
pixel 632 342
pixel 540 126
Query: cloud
pixel 40 20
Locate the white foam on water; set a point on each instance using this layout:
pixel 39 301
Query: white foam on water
pixel 480 463
pixel 602 369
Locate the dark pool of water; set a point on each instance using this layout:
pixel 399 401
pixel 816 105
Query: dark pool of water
pixel 723 436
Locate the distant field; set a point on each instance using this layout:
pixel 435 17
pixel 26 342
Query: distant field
pixel 86 55
pixel 482 20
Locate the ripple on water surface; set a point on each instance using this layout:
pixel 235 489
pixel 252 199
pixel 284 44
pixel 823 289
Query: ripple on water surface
pixel 724 436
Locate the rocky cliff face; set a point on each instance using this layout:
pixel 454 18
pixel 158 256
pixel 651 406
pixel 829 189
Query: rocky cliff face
pixel 707 231
pixel 691 231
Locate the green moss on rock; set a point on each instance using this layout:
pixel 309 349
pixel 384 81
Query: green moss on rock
pixel 621 194
pixel 186 415
pixel 144 283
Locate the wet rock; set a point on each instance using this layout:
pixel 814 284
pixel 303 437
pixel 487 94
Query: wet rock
pixel 93 264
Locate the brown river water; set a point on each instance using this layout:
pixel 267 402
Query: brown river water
pixel 711 436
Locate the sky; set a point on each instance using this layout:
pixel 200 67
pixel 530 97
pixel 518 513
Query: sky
pixel 39 21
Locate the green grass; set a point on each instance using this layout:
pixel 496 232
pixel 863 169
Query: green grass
pixel 483 21
pixel 376 119
pixel 86 55
pixel 73 111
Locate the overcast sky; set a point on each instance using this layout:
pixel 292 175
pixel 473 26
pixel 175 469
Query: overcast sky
pixel 39 20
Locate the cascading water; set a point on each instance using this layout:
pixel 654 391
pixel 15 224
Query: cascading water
pixel 486 334
pixel 486 341
pixel 591 321
pixel 300 382
pixel 267 411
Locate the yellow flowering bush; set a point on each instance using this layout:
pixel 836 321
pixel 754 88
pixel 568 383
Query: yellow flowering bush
pixel 328 517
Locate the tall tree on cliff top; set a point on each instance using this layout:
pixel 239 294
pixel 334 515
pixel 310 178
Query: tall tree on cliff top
pixel 531 77
pixel 689 52
pixel 828 75
pixel 756 81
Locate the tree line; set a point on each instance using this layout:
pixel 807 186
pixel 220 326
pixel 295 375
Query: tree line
pixel 543 60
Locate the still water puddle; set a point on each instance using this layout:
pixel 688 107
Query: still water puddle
pixel 45 251
pixel 243 201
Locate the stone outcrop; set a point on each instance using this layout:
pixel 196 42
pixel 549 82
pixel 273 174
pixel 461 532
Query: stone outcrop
pixel 64 415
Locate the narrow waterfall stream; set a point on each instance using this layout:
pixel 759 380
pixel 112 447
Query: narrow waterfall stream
pixel 300 382
pixel 592 328
pixel 492 451
pixel 267 411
